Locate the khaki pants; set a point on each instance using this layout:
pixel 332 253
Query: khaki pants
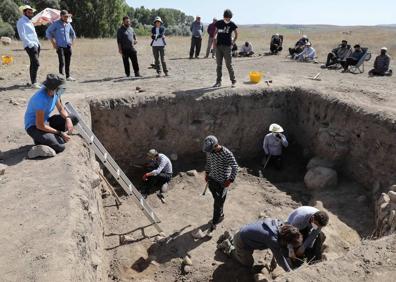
pixel 223 51
pixel 210 44
pixel 243 256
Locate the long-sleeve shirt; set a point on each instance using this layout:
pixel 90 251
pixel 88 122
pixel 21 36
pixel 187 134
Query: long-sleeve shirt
pixel 212 30
pixel 272 145
pixel 196 29
pixel 62 32
pixel 246 49
pixel 126 37
pixel 221 165
pixel 164 165
pixel 342 52
pixel 307 53
pixel 27 32
pixel 381 63
pixel 357 55
pixel 262 235
pixel 300 218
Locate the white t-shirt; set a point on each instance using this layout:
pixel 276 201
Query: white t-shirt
pixel 159 41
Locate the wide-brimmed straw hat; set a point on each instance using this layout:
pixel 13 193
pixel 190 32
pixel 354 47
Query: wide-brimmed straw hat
pixel 152 153
pixel 275 128
pixel 158 19
pixel 26 7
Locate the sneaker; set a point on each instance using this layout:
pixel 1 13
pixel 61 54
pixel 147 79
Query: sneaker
pixel 323 66
pixel 138 75
pixel 158 75
pixel 233 84
pixel 217 84
pixel 166 74
pixel 36 85
pixel 226 247
pixel 70 78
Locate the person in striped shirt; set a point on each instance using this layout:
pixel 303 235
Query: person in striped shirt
pixel 220 171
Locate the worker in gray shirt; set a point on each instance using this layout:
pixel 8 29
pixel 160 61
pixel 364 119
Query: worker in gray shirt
pixel 309 221
pixel 264 234
pixel 273 144
pixel 160 174
pixel 196 38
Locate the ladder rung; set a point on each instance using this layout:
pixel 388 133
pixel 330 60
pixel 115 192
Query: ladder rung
pixel 114 169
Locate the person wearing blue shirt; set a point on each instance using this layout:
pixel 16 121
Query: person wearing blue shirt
pixel 62 36
pixel 45 130
pixel 27 33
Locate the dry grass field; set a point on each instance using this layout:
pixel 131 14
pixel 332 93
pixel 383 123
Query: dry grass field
pixel 55 226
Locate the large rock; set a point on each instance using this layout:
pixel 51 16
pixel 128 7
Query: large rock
pixel 41 151
pixel 316 161
pixel 3 168
pixel 320 178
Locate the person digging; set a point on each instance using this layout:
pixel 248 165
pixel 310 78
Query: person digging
pixel 263 234
pixel 161 174
pixel 220 171
pixel 309 221
pixel 273 145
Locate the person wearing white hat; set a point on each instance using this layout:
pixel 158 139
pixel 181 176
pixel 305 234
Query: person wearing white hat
pixel 273 144
pixel 158 44
pixel 160 175
pixel 381 64
pixel 307 55
pixel 27 33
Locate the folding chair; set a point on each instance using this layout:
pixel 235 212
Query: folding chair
pixel 359 67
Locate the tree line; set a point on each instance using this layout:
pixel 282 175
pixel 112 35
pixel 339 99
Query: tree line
pixel 97 18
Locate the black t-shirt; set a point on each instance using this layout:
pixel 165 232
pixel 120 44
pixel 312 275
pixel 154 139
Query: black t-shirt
pixel 224 32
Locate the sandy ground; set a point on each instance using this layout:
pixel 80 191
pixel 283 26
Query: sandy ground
pixel 35 196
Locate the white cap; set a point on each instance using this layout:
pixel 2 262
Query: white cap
pixel 152 153
pixel 384 48
pixel 304 36
pixel 276 128
pixel 308 44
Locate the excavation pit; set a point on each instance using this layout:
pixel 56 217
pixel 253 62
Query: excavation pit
pixel 176 126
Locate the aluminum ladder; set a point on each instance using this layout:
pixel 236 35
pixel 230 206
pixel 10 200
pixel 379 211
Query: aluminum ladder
pixel 104 156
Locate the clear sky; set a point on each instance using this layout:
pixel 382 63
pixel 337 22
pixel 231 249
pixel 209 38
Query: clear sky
pixel 337 12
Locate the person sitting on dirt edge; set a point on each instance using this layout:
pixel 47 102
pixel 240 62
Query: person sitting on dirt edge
pixel 161 174
pixel 264 234
pixel 45 130
pixel 381 64
pixel 220 171
pixel 276 44
pixel 299 46
pixel 338 54
pixel 309 221
pixel 246 50
pixel 273 145
pixel 307 55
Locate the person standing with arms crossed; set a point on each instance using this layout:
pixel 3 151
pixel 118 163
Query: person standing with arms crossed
pixel 27 33
pixel 126 39
pixel 158 44
pixel 62 36
pixel 223 43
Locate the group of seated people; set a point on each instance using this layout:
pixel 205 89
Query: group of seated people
pixel 343 56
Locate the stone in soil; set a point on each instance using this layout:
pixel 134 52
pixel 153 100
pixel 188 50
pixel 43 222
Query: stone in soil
pixel 320 178
pixel 41 151
pixel 3 168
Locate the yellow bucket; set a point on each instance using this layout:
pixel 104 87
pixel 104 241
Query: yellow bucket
pixel 6 60
pixel 255 76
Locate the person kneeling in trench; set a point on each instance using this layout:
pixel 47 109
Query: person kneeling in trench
pixel 45 130
pixel 160 175
pixel 309 221
pixel 264 234
pixel 273 144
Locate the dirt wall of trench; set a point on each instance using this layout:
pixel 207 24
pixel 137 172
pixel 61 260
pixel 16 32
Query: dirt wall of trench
pixel 361 143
